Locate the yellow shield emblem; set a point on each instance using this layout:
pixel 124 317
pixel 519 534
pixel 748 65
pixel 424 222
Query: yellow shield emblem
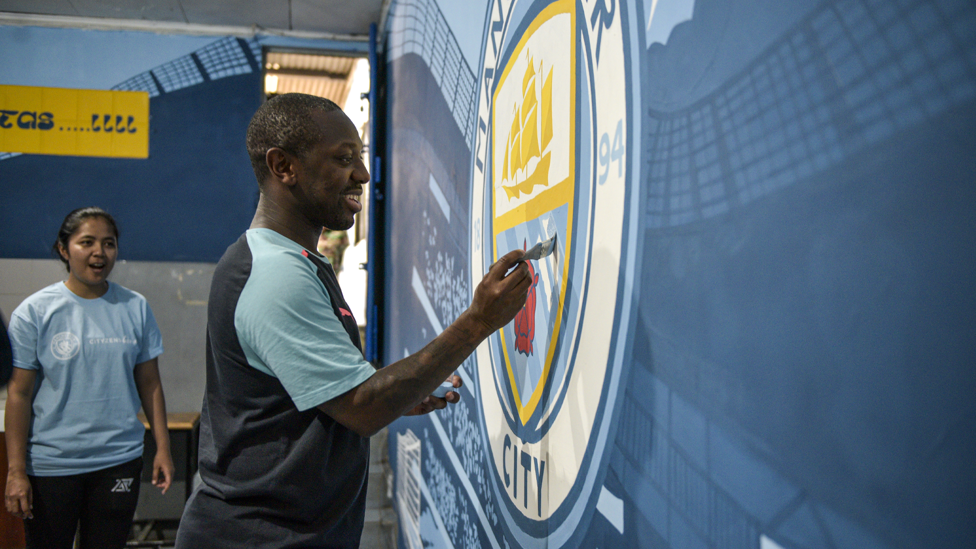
pixel 532 197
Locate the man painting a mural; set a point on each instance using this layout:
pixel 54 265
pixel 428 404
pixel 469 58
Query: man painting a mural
pixel 745 315
pixel 290 400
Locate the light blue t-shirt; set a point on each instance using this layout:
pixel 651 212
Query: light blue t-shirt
pixel 85 398
pixel 287 327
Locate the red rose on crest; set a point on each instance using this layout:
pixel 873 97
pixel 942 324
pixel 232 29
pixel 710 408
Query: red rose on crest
pixel 525 319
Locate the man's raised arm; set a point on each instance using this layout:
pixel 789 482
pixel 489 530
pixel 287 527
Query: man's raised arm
pixel 405 384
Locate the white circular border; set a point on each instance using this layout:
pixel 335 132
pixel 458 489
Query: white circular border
pixel 65 336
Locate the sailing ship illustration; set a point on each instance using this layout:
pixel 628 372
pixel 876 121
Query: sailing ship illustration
pixel 530 136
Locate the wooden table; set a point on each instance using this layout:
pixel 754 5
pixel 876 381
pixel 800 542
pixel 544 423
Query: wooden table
pixel 177 421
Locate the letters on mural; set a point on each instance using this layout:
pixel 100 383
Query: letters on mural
pixel 74 122
pixel 520 466
pixel 26 120
pixel 33 120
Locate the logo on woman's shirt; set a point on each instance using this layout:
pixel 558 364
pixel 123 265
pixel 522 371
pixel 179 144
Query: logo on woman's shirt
pixel 65 345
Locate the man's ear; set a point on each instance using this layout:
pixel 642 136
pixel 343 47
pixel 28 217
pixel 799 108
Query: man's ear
pixel 281 165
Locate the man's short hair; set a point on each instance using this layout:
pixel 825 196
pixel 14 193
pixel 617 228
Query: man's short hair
pixel 284 121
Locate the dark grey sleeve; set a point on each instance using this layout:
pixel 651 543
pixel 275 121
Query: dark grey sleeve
pixel 6 356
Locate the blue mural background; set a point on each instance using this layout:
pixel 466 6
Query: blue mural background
pixel 196 192
pixel 798 370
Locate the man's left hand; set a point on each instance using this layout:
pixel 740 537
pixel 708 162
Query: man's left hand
pixel 431 403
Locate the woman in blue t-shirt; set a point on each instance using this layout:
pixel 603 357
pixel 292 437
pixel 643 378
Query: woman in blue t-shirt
pixel 85 358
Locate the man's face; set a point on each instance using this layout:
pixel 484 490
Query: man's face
pixel 331 177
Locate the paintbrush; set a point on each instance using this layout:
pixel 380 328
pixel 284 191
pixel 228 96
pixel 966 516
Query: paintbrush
pixel 540 250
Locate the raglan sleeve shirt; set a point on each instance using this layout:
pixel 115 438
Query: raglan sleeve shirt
pixel 287 326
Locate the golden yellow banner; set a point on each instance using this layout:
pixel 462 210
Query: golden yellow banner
pixel 74 122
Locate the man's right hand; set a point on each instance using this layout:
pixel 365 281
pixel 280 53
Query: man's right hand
pixel 19 499
pixel 499 297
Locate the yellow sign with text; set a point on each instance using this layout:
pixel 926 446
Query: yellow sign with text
pixel 74 122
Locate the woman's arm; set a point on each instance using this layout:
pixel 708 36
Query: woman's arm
pixel 18 498
pixel 150 389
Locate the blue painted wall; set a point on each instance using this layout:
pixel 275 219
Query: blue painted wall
pixel 788 357
pixel 196 192
pixel 192 195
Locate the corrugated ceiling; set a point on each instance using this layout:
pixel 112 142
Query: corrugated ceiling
pixel 324 76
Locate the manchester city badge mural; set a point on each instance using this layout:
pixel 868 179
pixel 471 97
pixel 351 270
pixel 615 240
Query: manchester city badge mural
pixel 727 207
pixel 551 169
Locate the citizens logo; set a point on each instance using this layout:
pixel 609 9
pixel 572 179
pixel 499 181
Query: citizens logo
pixel 65 345
pixel 552 163
pixel 123 485
pixel 112 341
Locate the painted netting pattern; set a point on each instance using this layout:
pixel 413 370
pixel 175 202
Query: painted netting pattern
pixel 419 27
pixel 140 82
pixel 225 57
pixel 847 77
pixel 179 73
